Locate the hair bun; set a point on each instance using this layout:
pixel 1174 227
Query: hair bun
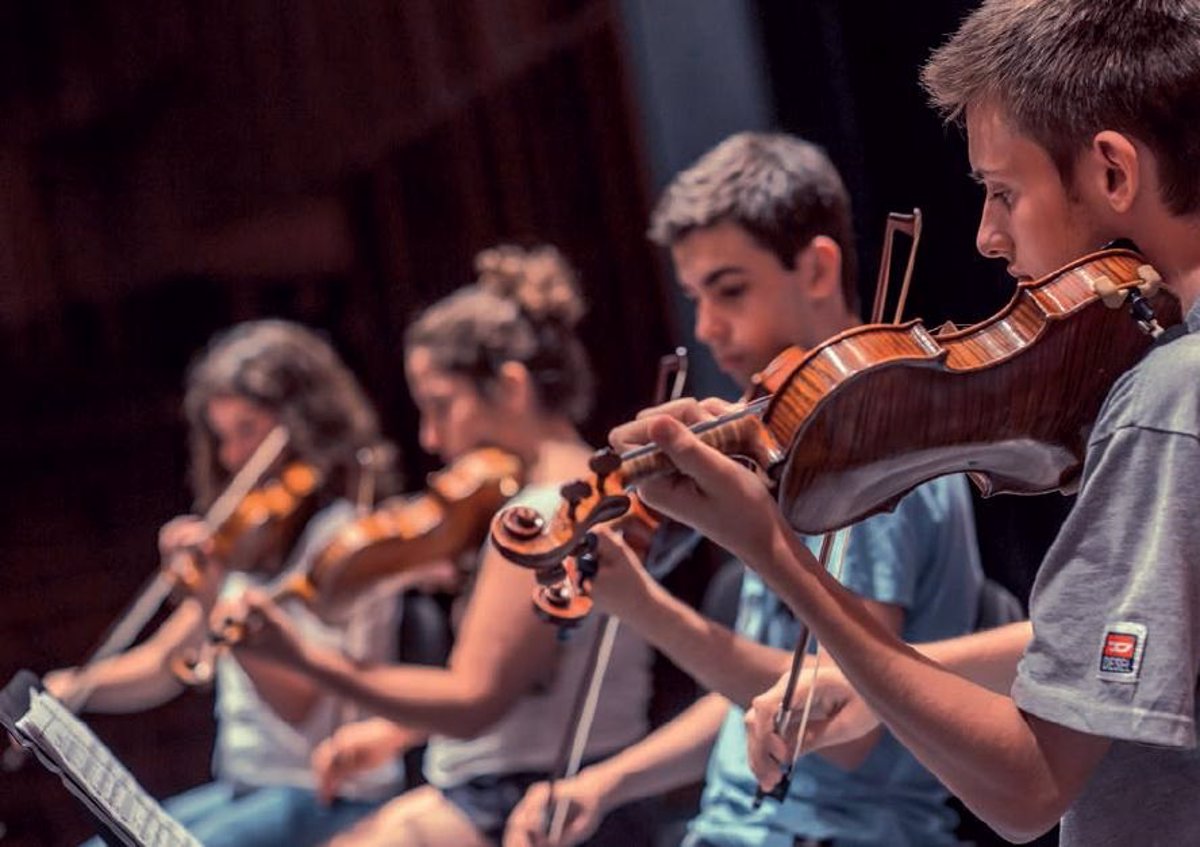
pixel 539 280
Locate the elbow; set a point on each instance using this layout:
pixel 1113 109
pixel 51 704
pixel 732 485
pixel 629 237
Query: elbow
pixel 1023 835
pixel 474 715
pixel 1025 819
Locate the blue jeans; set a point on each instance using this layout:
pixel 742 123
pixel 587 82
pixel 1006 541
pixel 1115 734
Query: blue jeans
pixel 279 816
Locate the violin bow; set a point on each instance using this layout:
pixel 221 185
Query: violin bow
pixel 910 225
pixel 155 591
pixel 159 587
pixel 832 557
pixel 672 375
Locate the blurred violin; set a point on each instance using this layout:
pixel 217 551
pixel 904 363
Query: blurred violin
pixel 238 513
pixel 401 535
pixel 446 520
pixel 855 423
pixel 264 525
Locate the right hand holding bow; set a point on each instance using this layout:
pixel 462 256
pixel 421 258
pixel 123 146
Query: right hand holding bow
pixel 838 715
pixel 587 807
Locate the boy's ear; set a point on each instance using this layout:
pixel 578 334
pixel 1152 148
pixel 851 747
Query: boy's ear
pixel 820 266
pixel 1116 165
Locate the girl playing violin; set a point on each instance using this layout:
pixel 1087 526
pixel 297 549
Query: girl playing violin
pixel 251 379
pixel 496 363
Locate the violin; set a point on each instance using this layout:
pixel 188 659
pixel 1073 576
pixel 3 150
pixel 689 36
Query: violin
pixel 450 517
pixel 855 423
pixel 401 535
pixel 240 511
pixel 265 523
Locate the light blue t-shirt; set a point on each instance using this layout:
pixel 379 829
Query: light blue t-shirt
pixel 923 557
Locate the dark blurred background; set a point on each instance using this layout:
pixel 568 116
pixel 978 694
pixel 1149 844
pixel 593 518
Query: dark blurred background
pixel 169 167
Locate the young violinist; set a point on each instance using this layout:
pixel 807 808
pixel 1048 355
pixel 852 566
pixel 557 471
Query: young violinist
pixel 250 380
pixel 1078 117
pixel 496 363
pixel 761 236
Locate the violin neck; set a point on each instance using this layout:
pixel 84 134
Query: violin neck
pixel 740 434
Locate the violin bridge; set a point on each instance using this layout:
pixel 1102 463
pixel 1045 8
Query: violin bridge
pixel 1151 280
pixel 1107 290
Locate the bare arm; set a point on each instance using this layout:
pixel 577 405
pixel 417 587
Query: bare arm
pixel 718 658
pixel 839 713
pixel 1017 772
pixel 501 651
pixel 673 755
pixel 715 656
pixel 139 678
pixel 988 658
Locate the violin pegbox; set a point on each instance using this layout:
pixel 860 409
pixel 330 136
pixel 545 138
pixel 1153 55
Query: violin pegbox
pixel 526 538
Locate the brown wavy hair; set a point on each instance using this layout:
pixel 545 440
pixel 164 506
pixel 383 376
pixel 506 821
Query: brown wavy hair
pixel 293 372
pixel 524 307
pixel 1064 70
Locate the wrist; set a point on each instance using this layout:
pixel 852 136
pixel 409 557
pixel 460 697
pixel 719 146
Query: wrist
pixel 784 562
pixel 604 783
pixel 769 551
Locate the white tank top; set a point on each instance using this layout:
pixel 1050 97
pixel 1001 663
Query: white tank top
pixel 254 746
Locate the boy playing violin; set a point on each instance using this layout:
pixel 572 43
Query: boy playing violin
pixel 1078 117
pixel 761 236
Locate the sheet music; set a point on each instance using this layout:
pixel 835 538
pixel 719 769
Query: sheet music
pixel 93 766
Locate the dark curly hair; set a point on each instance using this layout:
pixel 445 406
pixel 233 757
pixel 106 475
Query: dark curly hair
pixel 294 373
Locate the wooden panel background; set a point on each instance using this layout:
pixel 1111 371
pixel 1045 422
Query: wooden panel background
pixel 168 167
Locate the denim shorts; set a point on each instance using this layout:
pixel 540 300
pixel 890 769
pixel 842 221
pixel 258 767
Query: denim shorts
pixel 488 801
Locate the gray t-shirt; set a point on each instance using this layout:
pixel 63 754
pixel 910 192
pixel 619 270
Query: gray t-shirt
pixel 1116 609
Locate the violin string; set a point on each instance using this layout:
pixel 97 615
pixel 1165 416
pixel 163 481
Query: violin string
pixel 754 407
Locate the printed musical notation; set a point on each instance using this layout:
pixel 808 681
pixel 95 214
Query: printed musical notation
pixel 92 767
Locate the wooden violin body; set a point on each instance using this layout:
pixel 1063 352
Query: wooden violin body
pixel 860 420
pixel 403 533
pixel 265 523
pixel 400 536
pixel 877 410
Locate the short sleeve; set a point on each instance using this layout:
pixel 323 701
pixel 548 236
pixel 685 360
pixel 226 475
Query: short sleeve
pixel 1114 611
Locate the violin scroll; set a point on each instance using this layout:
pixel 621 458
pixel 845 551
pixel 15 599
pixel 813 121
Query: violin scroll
pixel 527 539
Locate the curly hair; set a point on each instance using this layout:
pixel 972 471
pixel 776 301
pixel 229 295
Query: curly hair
pixel 523 307
pixel 291 371
pixel 1064 70
pixel 784 191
